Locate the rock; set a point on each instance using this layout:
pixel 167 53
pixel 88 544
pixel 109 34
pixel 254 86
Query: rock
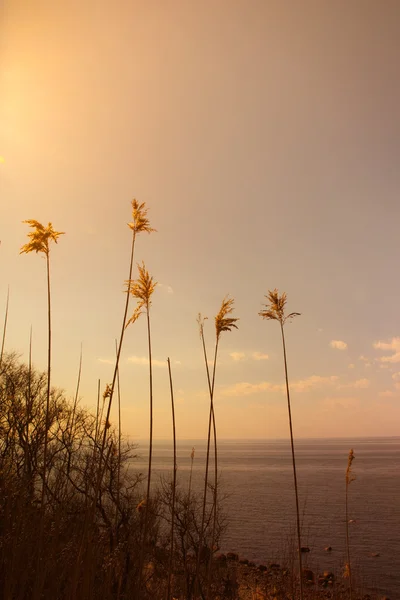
pixel 304 549
pixel 221 558
pixel 308 576
pixel 328 549
pixel 374 554
pixel 232 556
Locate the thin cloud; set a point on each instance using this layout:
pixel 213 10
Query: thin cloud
pixel 167 288
pixel 359 384
pixel 363 358
pixel 393 346
pixel 387 394
pixel 351 366
pixel 338 344
pixel 396 375
pixel 144 361
pixel 236 356
pixel 245 388
pixel 346 402
pixel 260 356
pixel 106 361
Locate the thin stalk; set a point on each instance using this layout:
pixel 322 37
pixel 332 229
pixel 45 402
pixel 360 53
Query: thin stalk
pixel 349 479
pixel 28 407
pixel 146 518
pixel 4 326
pixel 100 473
pixel 119 441
pixel 348 542
pixel 97 413
pixel 173 483
pixel 210 420
pixel 73 413
pixel 48 379
pixel 294 462
pixel 103 443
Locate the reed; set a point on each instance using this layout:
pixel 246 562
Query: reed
pixel 3 339
pixel 40 239
pixel 142 289
pixel 275 311
pixel 171 551
pixel 349 478
pixel 223 322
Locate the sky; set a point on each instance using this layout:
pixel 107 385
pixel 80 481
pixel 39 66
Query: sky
pixel 264 138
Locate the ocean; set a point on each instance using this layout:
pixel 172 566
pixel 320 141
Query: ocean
pixel 257 479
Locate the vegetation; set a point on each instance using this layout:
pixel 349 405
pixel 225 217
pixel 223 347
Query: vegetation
pixel 76 520
pixel 275 311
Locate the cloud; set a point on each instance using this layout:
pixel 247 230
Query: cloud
pixel 144 361
pixel 387 394
pixel 314 381
pixel 393 346
pixel 106 361
pixel 167 288
pixel 338 344
pixel 346 402
pixel 245 388
pixel 351 366
pixel 260 356
pixel 236 356
pixel 396 376
pixel 359 384
pixel 363 358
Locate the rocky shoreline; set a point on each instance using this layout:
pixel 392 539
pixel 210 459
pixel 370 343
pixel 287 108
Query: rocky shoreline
pixel 247 580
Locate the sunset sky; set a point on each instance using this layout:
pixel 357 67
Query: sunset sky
pixel 264 137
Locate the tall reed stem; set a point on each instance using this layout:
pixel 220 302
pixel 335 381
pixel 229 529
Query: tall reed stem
pixel 294 463
pixel 171 555
pixel 147 507
pixel 4 326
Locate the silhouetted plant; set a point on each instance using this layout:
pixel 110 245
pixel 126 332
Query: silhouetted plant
pixel 142 289
pixel 40 239
pixel 223 322
pixel 3 339
pixel 349 478
pixel 171 551
pixel 275 311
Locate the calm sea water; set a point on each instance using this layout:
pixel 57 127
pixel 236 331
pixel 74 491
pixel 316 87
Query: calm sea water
pixel 257 477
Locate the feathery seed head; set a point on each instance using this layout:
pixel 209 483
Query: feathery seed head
pixel 222 322
pixel 200 322
pixel 40 237
pixel 349 475
pixel 141 289
pixel 275 310
pixel 140 221
pixel 107 391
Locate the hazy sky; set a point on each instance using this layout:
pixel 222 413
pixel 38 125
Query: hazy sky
pixel 264 136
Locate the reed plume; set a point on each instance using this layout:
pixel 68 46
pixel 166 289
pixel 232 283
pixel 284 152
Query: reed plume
pixel 349 478
pixel 223 322
pixel 275 311
pixel 39 241
pixel 142 289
